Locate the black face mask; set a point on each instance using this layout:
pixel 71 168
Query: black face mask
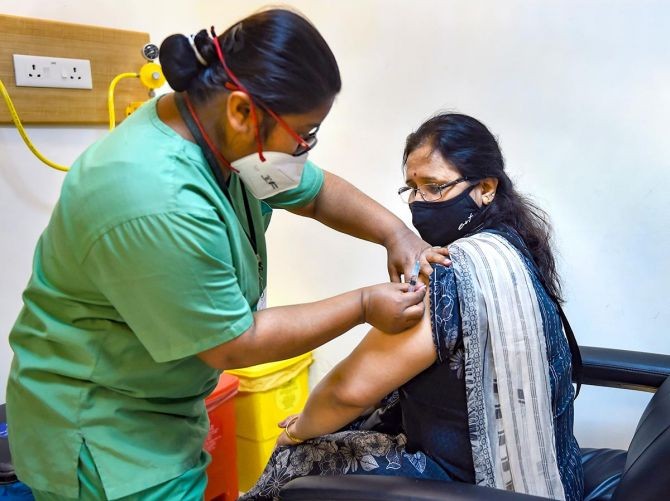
pixel 440 223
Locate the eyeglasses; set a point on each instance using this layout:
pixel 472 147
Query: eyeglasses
pixel 308 141
pixel 430 192
pixel 304 143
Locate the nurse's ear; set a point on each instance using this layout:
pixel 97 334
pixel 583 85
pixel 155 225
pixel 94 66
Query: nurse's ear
pixel 238 113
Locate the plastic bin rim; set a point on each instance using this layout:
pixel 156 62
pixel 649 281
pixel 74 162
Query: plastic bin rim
pixel 268 368
pixel 225 388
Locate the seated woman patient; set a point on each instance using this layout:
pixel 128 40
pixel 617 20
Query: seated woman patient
pixel 484 380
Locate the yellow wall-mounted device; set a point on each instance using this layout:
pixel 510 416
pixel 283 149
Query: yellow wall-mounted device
pixel 150 75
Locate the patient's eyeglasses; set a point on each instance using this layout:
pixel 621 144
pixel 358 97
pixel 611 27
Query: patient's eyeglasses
pixel 430 192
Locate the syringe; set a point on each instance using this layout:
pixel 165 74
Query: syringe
pixel 414 276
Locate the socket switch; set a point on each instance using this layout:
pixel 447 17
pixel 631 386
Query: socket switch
pixel 58 72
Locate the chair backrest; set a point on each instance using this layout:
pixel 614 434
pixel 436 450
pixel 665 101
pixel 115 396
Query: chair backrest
pixel 645 475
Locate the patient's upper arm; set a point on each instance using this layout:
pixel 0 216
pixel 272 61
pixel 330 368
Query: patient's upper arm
pixel 383 362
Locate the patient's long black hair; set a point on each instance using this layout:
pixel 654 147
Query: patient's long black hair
pixel 470 147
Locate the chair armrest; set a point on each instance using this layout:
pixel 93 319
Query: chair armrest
pixel 633 370
pixel 380 488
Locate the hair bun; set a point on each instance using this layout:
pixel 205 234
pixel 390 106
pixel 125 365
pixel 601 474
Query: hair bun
pixel 178 62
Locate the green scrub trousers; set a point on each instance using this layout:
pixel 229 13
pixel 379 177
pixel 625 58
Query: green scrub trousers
pixel 189 486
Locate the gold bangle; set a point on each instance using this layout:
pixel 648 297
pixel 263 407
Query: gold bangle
pixel 292 437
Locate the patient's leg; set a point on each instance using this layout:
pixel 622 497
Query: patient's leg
pixel 343 453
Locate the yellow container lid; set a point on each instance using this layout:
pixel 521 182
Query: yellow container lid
pixel 262 370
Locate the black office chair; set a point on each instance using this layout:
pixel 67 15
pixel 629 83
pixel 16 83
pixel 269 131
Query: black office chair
pixel 642 473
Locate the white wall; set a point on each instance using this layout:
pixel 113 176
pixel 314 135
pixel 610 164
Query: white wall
pixel 576 92
pixel 29 189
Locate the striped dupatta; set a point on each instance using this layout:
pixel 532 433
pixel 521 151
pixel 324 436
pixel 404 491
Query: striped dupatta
pixel 506 369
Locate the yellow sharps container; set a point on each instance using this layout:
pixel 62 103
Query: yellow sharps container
pixel 268 393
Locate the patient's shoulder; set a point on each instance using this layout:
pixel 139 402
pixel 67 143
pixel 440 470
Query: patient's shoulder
pixel 442 274
pixel 444 314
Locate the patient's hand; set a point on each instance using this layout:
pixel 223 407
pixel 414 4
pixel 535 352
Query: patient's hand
pixel 283 438
pixel 436 255
pixel 287 419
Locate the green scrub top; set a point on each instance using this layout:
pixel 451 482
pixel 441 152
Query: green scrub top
pixel 143 264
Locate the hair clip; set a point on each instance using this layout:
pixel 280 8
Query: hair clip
pixel 198 56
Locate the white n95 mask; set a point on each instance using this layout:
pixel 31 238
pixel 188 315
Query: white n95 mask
pixel 280 172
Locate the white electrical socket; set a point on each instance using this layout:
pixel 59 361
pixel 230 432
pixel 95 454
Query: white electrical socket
pixel 58 72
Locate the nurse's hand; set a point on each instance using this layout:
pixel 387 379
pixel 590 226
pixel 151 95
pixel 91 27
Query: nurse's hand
pixel 391 307
pixel 403 251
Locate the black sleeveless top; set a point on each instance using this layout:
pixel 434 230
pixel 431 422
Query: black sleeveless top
pixel 434 408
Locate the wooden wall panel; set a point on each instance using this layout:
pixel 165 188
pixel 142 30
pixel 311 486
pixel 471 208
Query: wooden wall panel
pixel 110 51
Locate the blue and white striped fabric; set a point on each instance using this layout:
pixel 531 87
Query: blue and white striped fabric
pixel 519 406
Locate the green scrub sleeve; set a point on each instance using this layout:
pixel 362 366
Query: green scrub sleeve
pixel 309 187
pixel 171 278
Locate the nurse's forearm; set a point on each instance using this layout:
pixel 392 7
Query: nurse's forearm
pixel 287 331
pixel 343 207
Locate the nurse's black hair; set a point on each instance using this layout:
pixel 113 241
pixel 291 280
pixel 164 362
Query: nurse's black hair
pixel 277 54
pixel 470 147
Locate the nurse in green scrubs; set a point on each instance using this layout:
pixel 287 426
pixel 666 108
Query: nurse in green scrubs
pixel 149 278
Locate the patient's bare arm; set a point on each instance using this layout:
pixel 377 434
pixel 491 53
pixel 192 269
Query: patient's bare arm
pixel 377 366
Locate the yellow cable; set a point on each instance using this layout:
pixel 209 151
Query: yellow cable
pixel 24 135
pixel 110 96
pixel 22 131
